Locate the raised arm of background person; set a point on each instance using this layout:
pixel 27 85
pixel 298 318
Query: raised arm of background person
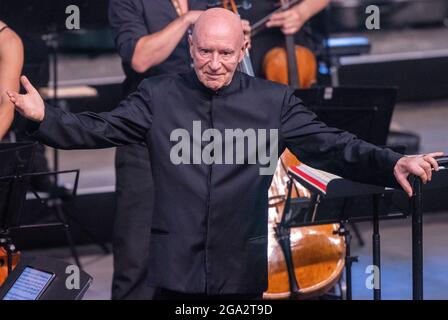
pixel 126 124
pixel 135 44
pixel 11 63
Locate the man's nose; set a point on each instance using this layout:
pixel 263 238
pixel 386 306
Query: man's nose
pixel 215 62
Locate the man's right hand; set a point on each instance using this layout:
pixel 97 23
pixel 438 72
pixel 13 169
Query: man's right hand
pixel 29 105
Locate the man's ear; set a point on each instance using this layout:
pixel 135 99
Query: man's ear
pixel 242 52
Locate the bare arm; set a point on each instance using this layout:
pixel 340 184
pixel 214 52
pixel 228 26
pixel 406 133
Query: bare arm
pixel 155 48
pixel 11 63
pixel 292 20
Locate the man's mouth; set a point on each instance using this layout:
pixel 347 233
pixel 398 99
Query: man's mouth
pixel 213 75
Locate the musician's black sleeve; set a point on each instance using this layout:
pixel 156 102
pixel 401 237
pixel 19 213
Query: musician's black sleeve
pixel 126 19
pixel 334 150
pixel 126 124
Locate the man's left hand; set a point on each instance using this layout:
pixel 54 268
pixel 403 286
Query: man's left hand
pixel 421 166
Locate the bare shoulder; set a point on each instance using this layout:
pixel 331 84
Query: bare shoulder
pixel 10 42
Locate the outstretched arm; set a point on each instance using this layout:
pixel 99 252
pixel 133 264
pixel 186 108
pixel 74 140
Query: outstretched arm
pixel 342 153
pixel 126 124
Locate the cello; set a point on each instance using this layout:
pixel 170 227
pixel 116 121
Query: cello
pixel 317 252
pixel 283 64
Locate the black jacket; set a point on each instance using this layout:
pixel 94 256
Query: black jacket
pixel 210 223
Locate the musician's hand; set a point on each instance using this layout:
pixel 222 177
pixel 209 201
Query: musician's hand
pixel 192 15
pixel 420 166
pixel 247 30
pixel 30 105
pixel 290 21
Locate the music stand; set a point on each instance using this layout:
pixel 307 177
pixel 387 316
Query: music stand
pixel 15 174
pixel 365 112
pixel 55 200
pixel 15 163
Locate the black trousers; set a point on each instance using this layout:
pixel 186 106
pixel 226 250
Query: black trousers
pixel 132 225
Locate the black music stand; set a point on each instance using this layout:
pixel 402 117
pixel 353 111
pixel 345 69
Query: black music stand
pixel 55 200
pixel 15 164
pixel 15 174
pixel 363 111
pixel 60 201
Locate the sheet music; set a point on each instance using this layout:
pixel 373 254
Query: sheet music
pixel 317 178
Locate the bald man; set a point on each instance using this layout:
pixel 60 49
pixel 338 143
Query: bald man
pixel 209 233
pixel 151 37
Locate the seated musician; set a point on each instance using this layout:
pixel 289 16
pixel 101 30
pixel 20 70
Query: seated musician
pixel 291 21
pixel 209 232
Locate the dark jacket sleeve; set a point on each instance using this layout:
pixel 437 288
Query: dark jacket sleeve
pixel 333 150
pixel 126 124
pixel 126 19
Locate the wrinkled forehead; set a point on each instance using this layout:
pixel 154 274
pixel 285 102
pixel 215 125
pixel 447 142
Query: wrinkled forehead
pixel 218 33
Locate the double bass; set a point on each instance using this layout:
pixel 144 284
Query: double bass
pixel 317 252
